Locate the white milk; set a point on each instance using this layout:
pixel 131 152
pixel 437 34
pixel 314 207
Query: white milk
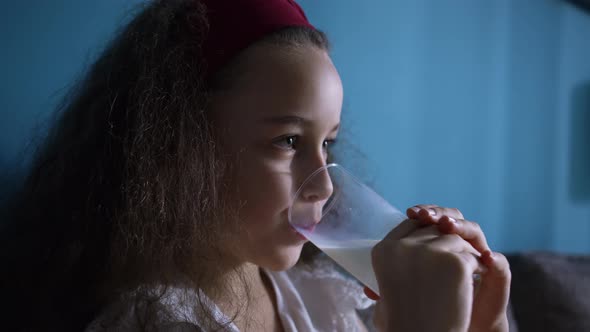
pixel 355 257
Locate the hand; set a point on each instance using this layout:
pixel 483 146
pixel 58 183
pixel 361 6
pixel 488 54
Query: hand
pixel 492 293
pixel 488 302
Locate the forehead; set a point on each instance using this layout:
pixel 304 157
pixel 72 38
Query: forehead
pixel 277 80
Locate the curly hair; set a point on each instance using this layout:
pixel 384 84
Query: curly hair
pixel 128 188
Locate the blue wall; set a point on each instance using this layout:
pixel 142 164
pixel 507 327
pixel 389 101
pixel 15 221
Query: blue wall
pixel 481 105
pixel 45 45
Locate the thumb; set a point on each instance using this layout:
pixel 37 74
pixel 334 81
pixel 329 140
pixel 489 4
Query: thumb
pixel 491 300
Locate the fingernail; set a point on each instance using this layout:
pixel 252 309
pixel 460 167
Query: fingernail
pixel 431 212
pixel 370 294
pixel 415 209
pixel 453 220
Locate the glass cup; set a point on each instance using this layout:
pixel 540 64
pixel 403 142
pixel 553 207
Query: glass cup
pixel 344 218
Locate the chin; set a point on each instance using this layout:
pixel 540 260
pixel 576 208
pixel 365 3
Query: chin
pixel 283 259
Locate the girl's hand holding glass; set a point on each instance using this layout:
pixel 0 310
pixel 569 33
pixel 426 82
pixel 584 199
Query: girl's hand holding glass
pixel 431 272
pixel 425 267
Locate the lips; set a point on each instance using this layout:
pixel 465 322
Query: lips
pixel 311 227
pixel 306 227
pixel 310 220
pixel 298 233
pixel 305 218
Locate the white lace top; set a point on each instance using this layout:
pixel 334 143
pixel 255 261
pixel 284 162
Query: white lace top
pixel 314 298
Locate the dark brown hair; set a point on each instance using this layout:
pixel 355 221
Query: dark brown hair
pixel 128 187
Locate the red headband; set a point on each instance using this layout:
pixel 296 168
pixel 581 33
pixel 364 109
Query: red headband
pixel 235 24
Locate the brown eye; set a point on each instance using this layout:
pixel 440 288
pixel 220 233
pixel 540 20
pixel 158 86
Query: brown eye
pixel 327 143
pixel 287 142
pixel 290 141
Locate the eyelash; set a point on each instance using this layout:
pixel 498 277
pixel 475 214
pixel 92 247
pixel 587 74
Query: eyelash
pixel 293 138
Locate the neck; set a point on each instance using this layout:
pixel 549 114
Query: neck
pixel 241 282
pixel 249 296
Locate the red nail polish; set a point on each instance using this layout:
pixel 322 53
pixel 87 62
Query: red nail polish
pixel 370 294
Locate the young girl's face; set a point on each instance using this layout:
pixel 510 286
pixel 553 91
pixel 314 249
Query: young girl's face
pixel 276 123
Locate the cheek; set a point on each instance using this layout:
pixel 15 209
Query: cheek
pixel 264 190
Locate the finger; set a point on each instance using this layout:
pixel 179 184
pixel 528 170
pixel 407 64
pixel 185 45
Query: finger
pixel 491 301
pixel 453 243
pixel 498 265
pixel 468 230
pixel 424 233
pixel 403 229
pixel 421 211
pixel 430 233
pixel 470 264
pixel 432 213
pixel 414 211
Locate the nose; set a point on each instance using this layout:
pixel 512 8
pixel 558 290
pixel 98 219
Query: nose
pixel 318 187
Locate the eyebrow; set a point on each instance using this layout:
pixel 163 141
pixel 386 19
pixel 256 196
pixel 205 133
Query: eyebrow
pixel 292 120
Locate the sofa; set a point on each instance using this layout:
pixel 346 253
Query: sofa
pixel 549 292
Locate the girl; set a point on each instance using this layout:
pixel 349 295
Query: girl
pixel 159 200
